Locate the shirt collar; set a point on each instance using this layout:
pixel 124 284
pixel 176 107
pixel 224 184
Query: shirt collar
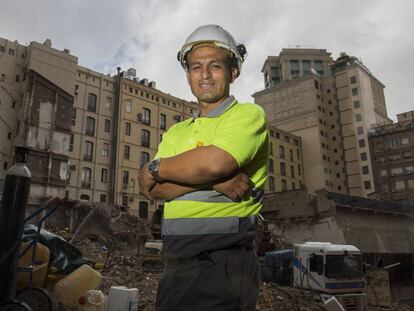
pixel 220 109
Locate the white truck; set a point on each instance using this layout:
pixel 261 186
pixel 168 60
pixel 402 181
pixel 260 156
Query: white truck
pixel 324 268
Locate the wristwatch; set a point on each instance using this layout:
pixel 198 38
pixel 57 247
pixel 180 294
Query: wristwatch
pixel 154 167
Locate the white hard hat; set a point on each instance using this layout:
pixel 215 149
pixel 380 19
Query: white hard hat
pixel 216 35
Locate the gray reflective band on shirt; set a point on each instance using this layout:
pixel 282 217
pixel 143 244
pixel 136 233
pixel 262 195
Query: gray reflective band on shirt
pixel 196 226
pixel 204 196
pixel 212 196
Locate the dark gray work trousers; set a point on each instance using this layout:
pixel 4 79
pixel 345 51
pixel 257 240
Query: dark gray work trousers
pixel 224 280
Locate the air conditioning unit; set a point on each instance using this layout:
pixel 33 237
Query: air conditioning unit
pixel 177 117
pixel 139 117
pixel 72 167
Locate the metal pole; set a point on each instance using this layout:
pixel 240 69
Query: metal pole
pixel 12 215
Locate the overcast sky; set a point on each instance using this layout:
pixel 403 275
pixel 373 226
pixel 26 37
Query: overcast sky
pixel 147 35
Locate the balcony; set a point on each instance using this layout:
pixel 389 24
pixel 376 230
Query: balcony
pixel 86 184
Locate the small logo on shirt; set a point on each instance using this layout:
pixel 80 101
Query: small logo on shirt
pixel 199 144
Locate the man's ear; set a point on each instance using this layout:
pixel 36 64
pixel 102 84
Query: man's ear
pixel 234 73
pixel 188 76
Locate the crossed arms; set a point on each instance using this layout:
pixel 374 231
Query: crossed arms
pixel 201 168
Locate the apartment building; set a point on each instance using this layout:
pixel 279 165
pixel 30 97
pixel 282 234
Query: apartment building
pixel 285 162
pixel 392 157
pixel 331 105
pixel 87 133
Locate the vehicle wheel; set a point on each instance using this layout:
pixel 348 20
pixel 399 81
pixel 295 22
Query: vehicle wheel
pixel 37 298
pixel 15 306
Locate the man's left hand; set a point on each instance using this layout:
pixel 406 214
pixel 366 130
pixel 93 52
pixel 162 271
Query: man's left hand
pixel 146 181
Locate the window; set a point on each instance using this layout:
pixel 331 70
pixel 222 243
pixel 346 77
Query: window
pixel 281 152
pixel 126 152
pixel 367 185
pixel 71 141
pixel 4 165
pixel 124 200
pixel 410 183
pixel 356 104
pixel 407 155
pixel 293 186
pixel 91 102
pixel 271 148
pixel 127 129
pixel 354 91
pixel 294 68
pixel 73 116
pixel 358 117
pixel 105 150
pixel 146 116
pixel 271 167
pixel 86 177
pixel 1 48
pixel 145 138
pixel 107 125
pixel 404 141
pixel 399 185
pixel 17 78
pixel 365 170
pixel 76 89
pixel 292 171
pixel 318 66
pixel 125 177
pixel 360 130
pixel 363 156
pixel 291 154
pixel 396 171
pixel 163 121
pixel 353 79
pixel 143 209
pixel 284 185
pixel 394 157
pixel 102 198
pixel 90 126
pixel 298 154
pixel 11 52
pixel 299 170
pixel 108 103
pixel 104 175
pixel 383 173
pixel 128 106
pixel 306 67
pixel 88 151
pixel 282 169
pixel 144 158
pixel 361 143
pixel 3 77
pixel 84 197
pixel 271 184
pixel 9 135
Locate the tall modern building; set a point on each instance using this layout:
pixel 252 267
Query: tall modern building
pixel 392 157
pixel 87 133
pixel 331 105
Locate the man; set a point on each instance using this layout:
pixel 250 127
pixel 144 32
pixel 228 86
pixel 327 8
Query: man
pixel 211 170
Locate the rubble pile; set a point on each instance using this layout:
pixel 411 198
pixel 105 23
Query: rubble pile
pixel 274 297
pixel 114 238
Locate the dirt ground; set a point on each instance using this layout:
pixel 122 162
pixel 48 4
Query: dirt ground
pixel 116 239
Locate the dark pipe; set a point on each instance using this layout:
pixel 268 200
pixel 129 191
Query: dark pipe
pixel 12 215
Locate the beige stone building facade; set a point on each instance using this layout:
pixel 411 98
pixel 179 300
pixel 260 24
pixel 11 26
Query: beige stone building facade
pixel 87 133
pixel 285 170
pixel 331 105
pixel 392 156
